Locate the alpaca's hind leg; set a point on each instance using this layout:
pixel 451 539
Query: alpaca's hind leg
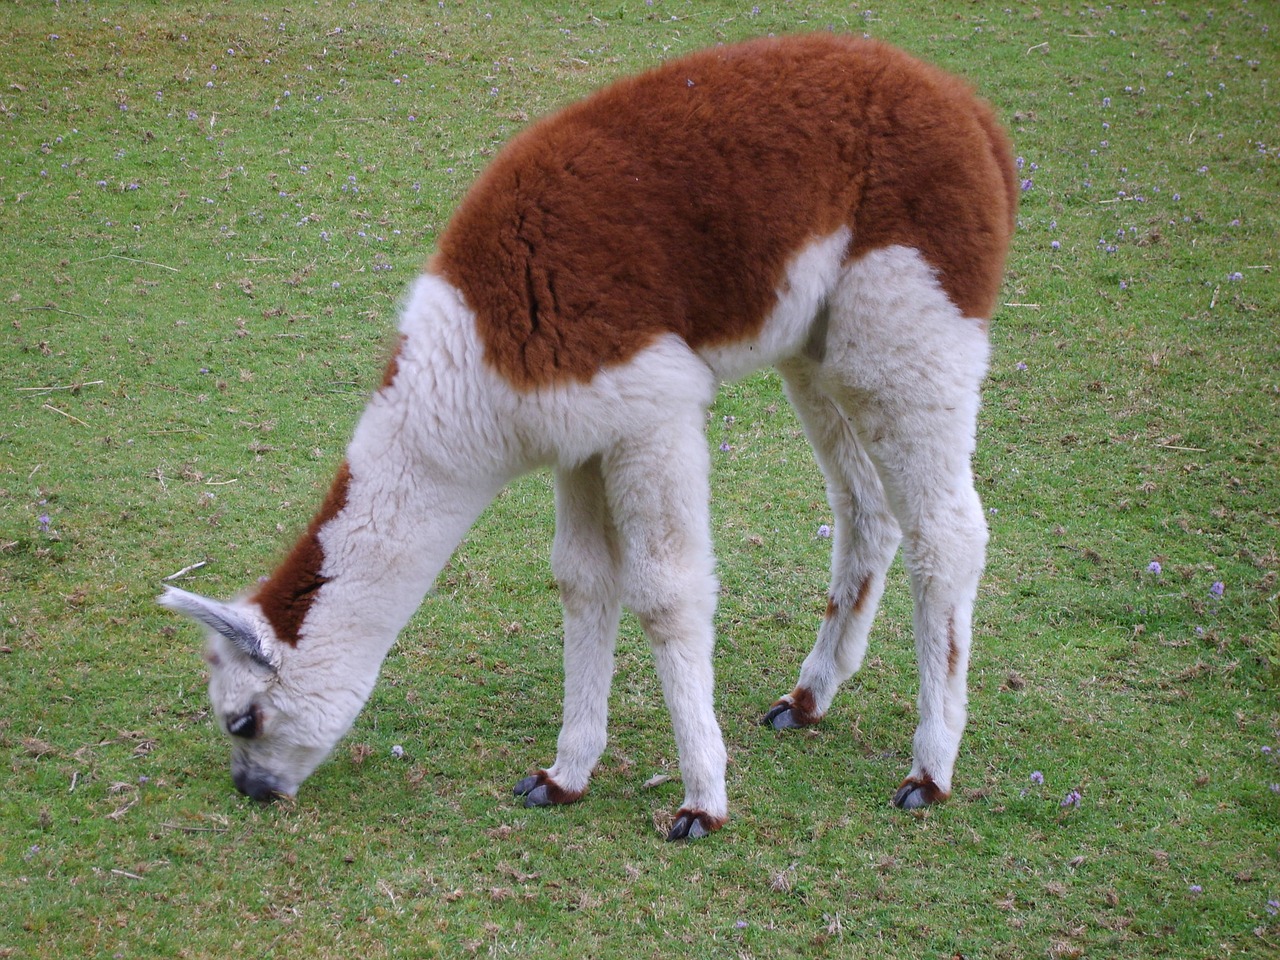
pixel 865 539
pixel 906 366
pixel 586 564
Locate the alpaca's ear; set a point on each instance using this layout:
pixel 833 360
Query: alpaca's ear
pixel 224 619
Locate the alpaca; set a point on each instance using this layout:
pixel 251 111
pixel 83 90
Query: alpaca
pixel 828 206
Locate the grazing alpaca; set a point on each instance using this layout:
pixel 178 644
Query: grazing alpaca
pixel 826 205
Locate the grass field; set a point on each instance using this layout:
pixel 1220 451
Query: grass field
pixel 207 215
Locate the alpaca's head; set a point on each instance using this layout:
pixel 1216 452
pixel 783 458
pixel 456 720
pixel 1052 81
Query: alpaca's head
pixel 282 711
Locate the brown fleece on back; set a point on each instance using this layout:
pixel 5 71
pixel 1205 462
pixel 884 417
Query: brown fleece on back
pixel 671 202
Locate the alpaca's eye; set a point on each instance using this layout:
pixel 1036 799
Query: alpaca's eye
pixel 247 725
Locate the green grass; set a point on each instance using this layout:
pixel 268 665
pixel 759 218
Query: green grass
pixel 201 273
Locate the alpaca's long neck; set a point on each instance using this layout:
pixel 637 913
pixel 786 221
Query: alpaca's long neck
pixel 420 468
pixel 381 555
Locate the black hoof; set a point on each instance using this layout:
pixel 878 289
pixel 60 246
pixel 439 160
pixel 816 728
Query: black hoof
pixel 693 825
pixel 687 827
pixel 539 790
pixel 780 718
pixel 915 794
pixel 534 791
pixel 910 797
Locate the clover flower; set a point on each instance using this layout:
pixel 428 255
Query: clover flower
pixel 1072 799
pixel 1154 567
pixel 1217 589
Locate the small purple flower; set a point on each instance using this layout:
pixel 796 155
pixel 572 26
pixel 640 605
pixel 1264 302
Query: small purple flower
pixel 1154 567
pixel 1217 589
pixel 1235 277
pixel 824 531
pixel 1020 366
pixel 1026 185
pixel 1273 907
pixel 742 924
pixel 1055 245
pixel 1037 777
pixel 1196 888
pixel 45 522
pixel 1072 799
pixel 724 447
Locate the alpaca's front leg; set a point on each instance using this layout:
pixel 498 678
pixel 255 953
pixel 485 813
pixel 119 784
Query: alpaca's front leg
pixel 585 561
pixel 682 642
pixel 658 494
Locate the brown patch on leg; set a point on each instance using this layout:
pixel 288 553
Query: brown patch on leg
pixel 803 707
pixel 864 590
pixel 953 647
pixel 916 792
pixel 832 607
